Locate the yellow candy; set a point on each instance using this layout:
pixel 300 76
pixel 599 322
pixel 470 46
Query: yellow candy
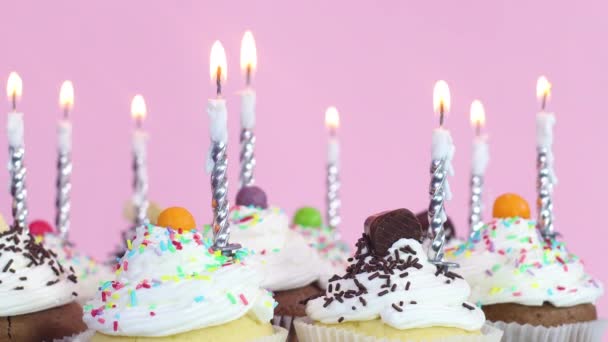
pixel 176 218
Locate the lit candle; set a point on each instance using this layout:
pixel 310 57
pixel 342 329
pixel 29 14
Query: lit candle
pixel 15 129
pixel 140 167
pixel 546 178
pixel 480 159
pixel 332 122
pixel 442 152
pixel 64 161
pixel 249 61
pixel 217 161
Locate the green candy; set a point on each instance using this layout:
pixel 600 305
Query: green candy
pixel 308 217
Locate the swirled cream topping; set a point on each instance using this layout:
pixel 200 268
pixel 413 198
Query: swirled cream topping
pixel 31 277
pixel 282 255
pixel 90 272
pixel 333 253
pixel 169 282
pixel 506 261
pixel 402 289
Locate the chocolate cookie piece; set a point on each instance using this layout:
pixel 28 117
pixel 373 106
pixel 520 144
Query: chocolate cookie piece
pixel 252 196
pixel 47 325
pixel 546 315
pixel 448 226
pixel 291 301
pixel 385 228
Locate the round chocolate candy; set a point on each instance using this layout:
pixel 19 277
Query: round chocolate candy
pixel 448 226
pixel 252 196
pixel 387 227
pixel 308 217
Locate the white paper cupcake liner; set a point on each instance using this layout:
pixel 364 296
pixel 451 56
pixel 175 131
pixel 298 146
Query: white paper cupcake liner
pixel 307 332
pixel 286 322
pixel 579 332
pixel 280 335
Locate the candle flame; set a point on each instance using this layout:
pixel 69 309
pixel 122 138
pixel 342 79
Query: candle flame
pixel 66 95
pixel 14 86
pixel 478 114
pixel 138 108
pixel 441 97
pixel 543 88
pixel 218 65
pixel 249 55
pixel 332 118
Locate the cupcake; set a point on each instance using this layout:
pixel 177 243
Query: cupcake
pixel 390 291
pixel 172 286
pixel 291 268
pixel 333 252
pixel 533 286
pixel 37 292
pixel 89 272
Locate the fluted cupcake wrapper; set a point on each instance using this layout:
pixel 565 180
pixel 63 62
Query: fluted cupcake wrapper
pixel 308 332
pixel 286 322
pixel 581 332
pixel 280 335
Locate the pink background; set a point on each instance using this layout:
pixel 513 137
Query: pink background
pixel 377 62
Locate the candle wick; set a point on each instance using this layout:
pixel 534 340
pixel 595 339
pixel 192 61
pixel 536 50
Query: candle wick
pixel 248 75
pixel 14 101
pixel 478 129
pixel 66 112
pixel 543 102
pixel 218 82
pixel 138 123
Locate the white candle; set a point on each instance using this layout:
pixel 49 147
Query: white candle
pixel 139 111
pixel 64 129
pixel 249 62
pixel 332 122
pixel 15 129
pixel 218 114
pixel 544 124
pixel 248 109
pixel 481 152
pixel 442 148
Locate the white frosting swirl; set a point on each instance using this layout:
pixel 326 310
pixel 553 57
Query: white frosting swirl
pixel 170 282
pixel 281 255
pixel 407 292
pixel 506 261
pixel 332 253
pixel 90 272
pixel 31 277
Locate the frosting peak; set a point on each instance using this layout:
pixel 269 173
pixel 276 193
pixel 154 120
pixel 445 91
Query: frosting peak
pixel 401 288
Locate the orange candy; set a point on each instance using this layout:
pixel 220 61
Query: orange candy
pixel 176 218
pixel 511 205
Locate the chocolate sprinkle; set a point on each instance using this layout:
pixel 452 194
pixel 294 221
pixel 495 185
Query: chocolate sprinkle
pixel 468 306
pixel 340 319
pixel 382 293
pixel 397 308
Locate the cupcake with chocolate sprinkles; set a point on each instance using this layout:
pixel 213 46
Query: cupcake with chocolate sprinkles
pixel 291 268
pixel 333 252
pixel 171 285
pixel 37 292
pixel 89 271
pixel 533 287
pixel 390 291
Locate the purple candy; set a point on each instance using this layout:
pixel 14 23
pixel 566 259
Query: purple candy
pixel 252 196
